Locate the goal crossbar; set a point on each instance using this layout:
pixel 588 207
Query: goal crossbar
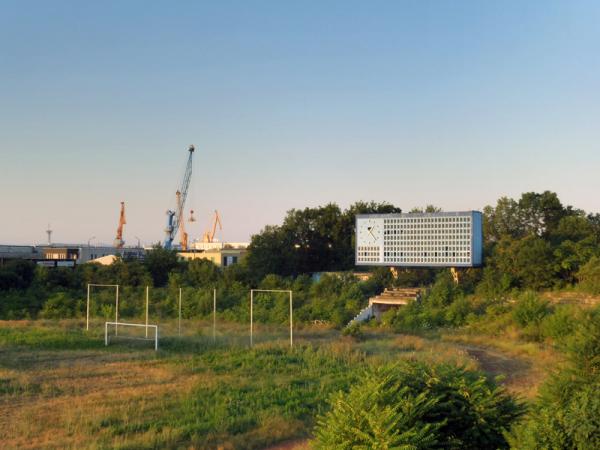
pixel 139 325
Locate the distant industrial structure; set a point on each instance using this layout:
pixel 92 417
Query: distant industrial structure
pixel 66 255
pixel 222 255
pixel 69 255
pixel 175 219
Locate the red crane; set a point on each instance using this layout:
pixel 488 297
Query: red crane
pixel 209 235
pixel 119 242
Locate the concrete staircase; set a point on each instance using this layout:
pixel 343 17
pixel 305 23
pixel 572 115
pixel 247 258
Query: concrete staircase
pixel 364 315
pixel 389 298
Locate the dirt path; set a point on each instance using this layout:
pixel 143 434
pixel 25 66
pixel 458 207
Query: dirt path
pixel 518 374
pixel 296 444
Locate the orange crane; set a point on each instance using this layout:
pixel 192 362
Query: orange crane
pixel 119 242
pixel 209 235
pixel 183 236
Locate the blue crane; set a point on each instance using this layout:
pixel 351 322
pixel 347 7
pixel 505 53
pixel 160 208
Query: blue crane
pixel 174 218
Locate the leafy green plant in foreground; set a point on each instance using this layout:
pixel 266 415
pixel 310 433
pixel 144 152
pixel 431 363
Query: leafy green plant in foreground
pixel 419 406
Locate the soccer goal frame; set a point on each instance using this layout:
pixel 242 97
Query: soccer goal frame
pixel 123 324
pixel 252 291
pixel 87 315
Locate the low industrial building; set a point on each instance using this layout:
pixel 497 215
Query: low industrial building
pixel 222 257
pixel 65 255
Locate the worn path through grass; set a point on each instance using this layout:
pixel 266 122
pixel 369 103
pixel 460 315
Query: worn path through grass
pixel 60 388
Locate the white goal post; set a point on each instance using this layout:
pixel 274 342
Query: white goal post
pixel 252 291
pixel 123 324
pixel 87 315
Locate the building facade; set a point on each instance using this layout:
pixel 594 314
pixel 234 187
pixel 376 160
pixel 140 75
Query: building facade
pixel 445 239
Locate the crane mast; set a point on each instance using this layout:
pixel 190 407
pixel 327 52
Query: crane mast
pixel 175 218
pixel 119 242
pixel 183 236
pixel 209 235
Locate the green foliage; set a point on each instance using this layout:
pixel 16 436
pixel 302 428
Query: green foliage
pixel 494 285
pixel 529 261
pixel 48 339
pixel 418 406
pixel 567 411
pixel 443 291
pixel 16 274
pixel 160 263
pixel 309 240
pixel 61 306
pixel 589 276
pixel 560 324
pixel 354 331
pixel 457 313
pixel 529 309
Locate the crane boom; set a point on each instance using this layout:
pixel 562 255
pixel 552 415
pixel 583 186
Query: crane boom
pixel 119 242
pixel 183 236
pixel 209 235
pixel 174 218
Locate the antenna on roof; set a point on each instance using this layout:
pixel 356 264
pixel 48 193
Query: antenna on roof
pixel 49 233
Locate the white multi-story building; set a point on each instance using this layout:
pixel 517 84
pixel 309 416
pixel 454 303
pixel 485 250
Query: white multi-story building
pixel 445 239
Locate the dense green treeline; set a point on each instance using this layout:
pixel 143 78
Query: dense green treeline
pixel 30 291
pixel 532 243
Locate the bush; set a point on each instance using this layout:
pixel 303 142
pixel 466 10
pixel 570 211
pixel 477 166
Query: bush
pixel 60 306
pixel 354 331
pixel 560 324
pixel 567 411
pixel 529 309
pixel 589 276
pixel 420 406
pixel 457 312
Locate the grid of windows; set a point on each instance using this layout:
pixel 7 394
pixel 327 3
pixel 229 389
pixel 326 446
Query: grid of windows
pixel 444 239
pixel 368 253
pixel 427 240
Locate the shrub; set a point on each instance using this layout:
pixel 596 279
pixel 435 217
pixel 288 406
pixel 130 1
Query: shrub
pixel 529 309
pixel 560 324
pixel 354 331
pixel 589 276
pixel 60 306
pixel 567 411
pixel 457 312
pixel 420 406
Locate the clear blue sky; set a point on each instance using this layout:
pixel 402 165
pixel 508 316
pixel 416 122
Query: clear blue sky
pixel 289 104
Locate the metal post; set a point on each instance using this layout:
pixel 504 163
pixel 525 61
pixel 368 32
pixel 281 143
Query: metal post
pixel 106 333
pixel 156 339
pixel 87 314
pixel 214 315
pixel 179 323
pixel 291 323
pixel 117 312
pixel 251 303
pixel 147 294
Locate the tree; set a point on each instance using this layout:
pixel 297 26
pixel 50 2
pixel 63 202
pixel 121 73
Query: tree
pixel 427 209
pixel 589 276
pixel 160 262
pixel 540 214
pixel 309 240
pixel 17 274
pixel 502 221
pixel 529 261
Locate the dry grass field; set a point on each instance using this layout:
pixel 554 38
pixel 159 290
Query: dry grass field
pixel 60 388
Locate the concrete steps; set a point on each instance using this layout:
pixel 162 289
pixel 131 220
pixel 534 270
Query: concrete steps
pixel 389 298
pixel 364 315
